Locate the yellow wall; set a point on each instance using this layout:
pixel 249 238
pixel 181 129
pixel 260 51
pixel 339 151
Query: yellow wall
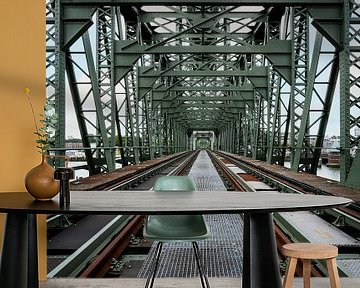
pixel 22 64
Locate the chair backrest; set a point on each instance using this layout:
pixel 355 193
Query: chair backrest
pixel 175 227
pixel 175 183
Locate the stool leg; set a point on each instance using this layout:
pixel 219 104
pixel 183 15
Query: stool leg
pixel 333 273
pixel 306 272
pixel 290 271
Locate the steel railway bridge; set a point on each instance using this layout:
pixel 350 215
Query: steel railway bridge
pixel 257 78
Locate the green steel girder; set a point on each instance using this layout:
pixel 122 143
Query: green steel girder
pixel 102 130
pixel 163 36
pixel 282 63
pixel 150 16
pixel 306 158
pixel 277 108
pixel 349 94
pixel 75 20
pixel 205 98
pixel 256 72
pixel 145 84
pixel 215 123
pixel 228 88
pixel 258 76
pixel 245 93
pixel 300 73
pixel 105 24
pixel 81 117
pixel 58 82
pixel 124 63
pixel 226 112
pixel 276 47
pixel 206 105
pixel 55 63
pixel 178 49
pixel 329 21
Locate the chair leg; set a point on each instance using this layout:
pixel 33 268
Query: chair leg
pixel 290 271
pixel 151 277
pixel 306 272
pixel 203 277
pixel 333 273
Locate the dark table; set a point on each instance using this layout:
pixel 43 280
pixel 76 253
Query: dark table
pixel 19 255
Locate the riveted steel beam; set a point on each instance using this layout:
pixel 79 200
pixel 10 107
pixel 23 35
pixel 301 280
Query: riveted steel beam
pixel 273 47
pixel 75 21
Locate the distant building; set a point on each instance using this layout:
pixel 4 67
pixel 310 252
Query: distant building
pixel 74 149
pixel 73 145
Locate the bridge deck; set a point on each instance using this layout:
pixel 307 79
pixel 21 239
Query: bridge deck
pixel 222 252
pixel 319 183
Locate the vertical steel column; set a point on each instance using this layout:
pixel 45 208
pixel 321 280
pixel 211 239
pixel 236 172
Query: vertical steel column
pixel 246 133
pixel 349 93
pixel 281 97
pixel 105 37
pixel 315 115
pixel 110 161
pixel 53 58
pixel 131 140
pixel 273 117
pixel 344 55
pixel 302 144
pixel 273 32
pixel 59 80
pixel 257 113
pixel 300 71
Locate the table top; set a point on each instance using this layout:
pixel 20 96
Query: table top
pixel 169 202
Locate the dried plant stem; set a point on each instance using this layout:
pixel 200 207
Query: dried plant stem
pixel 34 117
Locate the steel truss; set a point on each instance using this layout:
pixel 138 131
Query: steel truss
pixel 261 79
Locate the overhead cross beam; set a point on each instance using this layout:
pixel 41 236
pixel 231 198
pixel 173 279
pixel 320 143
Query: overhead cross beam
pixel 179 64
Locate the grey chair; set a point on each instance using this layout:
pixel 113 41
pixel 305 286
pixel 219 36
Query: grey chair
pixel 176 228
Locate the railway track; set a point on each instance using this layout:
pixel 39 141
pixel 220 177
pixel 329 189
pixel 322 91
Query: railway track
pixel 349 217
pixel 96 256
pixel 105 261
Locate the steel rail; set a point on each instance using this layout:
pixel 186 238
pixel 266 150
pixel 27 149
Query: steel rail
pixel 100 264
pixel 139 177
pixel 240 185
pixel 351 213
pixel 101 260
pixel 76 262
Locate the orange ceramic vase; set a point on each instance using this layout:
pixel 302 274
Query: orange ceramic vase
pixel 40 182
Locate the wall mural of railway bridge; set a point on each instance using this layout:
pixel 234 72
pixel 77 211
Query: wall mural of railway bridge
pixel 145 77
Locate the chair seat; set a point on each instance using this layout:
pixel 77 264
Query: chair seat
pixel 176 228
pixel 310 250
pixel 306 252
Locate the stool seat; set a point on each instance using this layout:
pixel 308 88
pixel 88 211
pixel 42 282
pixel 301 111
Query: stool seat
pixel 309 250
pixel 306 252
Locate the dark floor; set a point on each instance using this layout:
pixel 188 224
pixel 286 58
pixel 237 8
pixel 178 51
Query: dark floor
pixel 179 283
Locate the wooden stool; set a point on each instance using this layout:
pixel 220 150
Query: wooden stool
pixel 306 252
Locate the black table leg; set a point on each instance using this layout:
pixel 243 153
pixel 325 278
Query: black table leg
pixel 33 274
pixel 261 265
pixel 14 259
pixel 18 266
